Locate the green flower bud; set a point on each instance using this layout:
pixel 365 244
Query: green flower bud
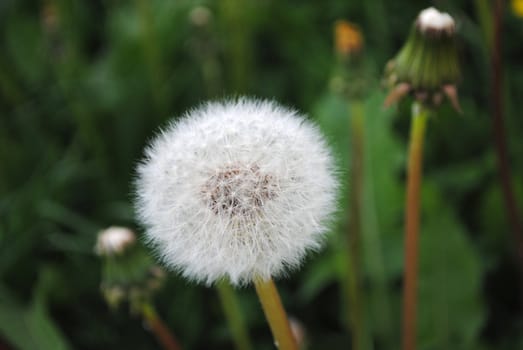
pixel 350 79
pixel 427 65
pixel 128 274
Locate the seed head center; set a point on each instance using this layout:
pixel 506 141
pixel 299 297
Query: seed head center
pixel 238 190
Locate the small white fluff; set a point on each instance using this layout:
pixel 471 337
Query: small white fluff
pixel 114 240
pixel 431 19
pixel 240 189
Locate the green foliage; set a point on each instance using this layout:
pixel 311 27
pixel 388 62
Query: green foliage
pixel 451 308
pixel 30 327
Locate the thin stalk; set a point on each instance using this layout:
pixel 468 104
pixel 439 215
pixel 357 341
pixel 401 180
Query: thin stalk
pixel 275 314
pixel 484 13
pixel 234 316
pixel 152 56
pixel 355 314
pixel 158 328
pixel 500 137
pixel 8 87
pixel 412 219
pixel 235 16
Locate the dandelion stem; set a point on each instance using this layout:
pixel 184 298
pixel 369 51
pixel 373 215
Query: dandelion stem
pixel 152 56
pixel 234 13
pixel 484 14
pixel 234 316
pixel 355 313
pixel 414 175
pixel 500 139
pixel 275 314
pixel 158 328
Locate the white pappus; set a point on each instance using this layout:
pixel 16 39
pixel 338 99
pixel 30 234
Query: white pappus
pixel 239 189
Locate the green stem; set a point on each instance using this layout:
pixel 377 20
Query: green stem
pixel 501 140
pixel 152 56
pixel 234 14
pixel 8 86
pixel 275 314
pixel 356 316
pixel 234 316
pixel 484 13
pixel 414 176
pixel 158 328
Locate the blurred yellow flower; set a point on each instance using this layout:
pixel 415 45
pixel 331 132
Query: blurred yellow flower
pixel 517 7
pixel 348 38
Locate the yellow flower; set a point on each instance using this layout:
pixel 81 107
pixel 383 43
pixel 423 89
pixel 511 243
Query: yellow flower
pixel 348 38
pixel 517 7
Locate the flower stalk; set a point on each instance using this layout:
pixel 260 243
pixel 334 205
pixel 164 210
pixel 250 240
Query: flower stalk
pixel 355 311
pixel 500 138
pixel 158 327
pixel 234 316
pixel 412 220
pixel 234 14
pixel 427 68
pixel 130 275
pixel 352 84
pixel 152 56
pixel 275 314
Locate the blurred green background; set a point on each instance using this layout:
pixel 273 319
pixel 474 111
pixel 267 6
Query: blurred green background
pixel 85 84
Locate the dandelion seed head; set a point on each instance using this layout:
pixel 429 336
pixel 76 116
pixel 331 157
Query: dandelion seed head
pixel 240 189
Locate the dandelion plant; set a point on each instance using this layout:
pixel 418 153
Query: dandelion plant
pixel 240 191
pixel 426 67
pixel 130 275
pixel 353 84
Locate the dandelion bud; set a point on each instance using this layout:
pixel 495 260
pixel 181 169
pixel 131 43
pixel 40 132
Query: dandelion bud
pixel 49 17
pixel 114 240
pixel 128 273
pixel 427 65
pixel 200 16
pixel 351 78
pixel 238 189
pixel 348 38
pixel 299 332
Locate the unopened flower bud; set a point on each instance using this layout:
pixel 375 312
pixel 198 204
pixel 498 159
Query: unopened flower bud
pixel 427 66
pixel 299 332
pixel 200 16
pixel 128 273
pixel 348 38
pixel 114 240
pixel 350 79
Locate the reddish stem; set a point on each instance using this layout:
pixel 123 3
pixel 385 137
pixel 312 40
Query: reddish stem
pixel 414 174
pixel 500 136
pixel 159 329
